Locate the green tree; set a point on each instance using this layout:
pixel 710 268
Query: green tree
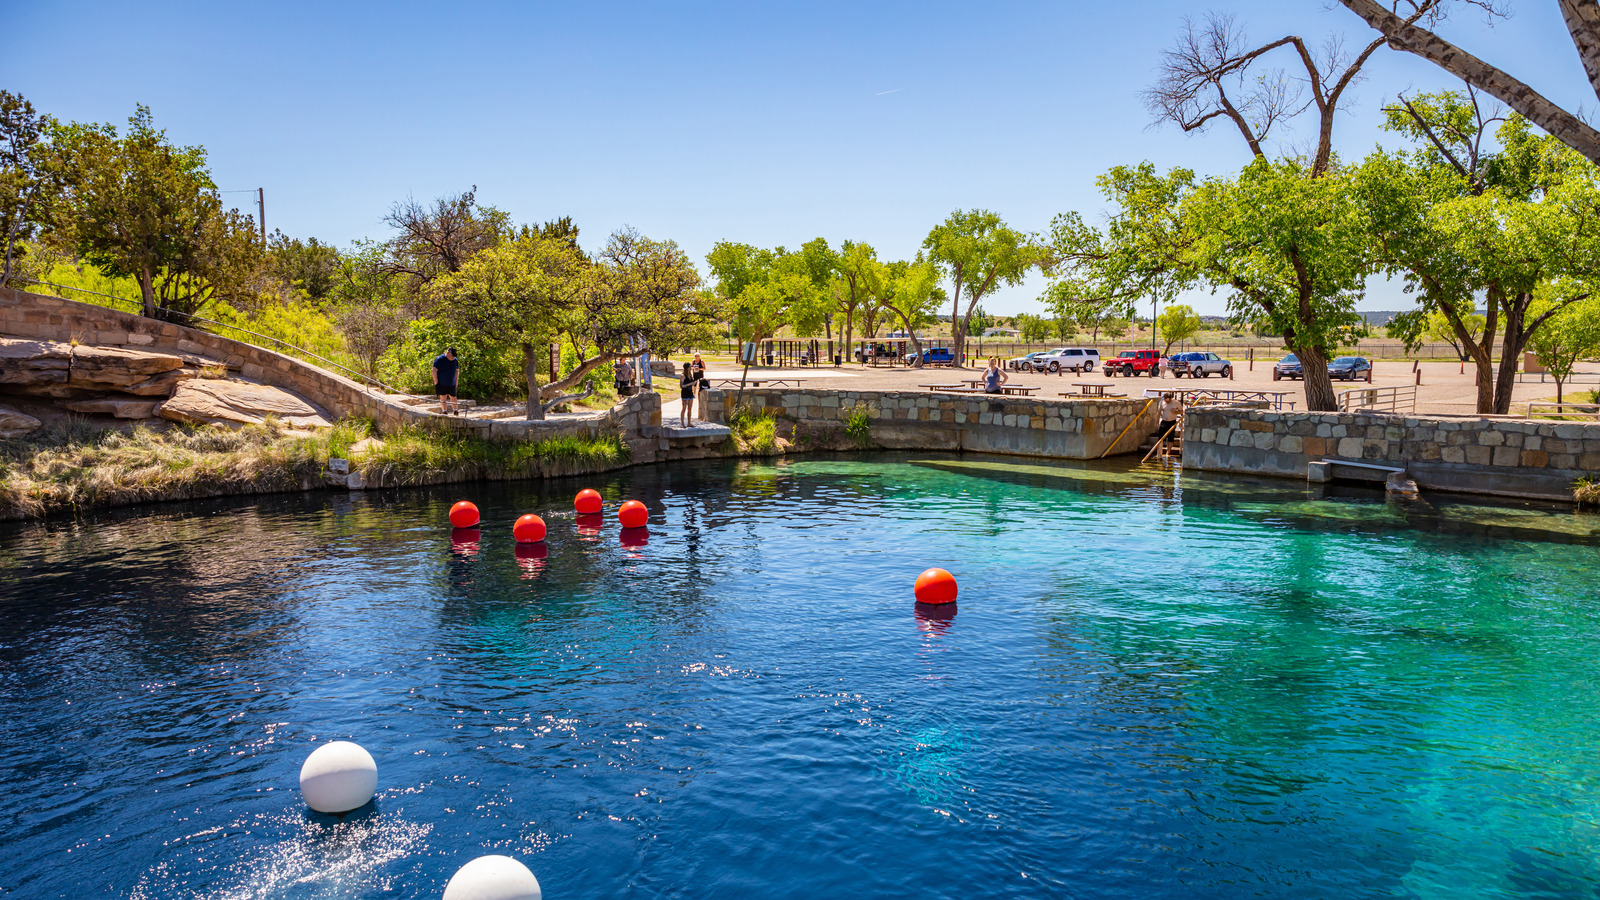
pixel 370 303
pixel 1033 328
pixel 1066 329
pixel 139 206
pixel 911 292
pixel 640 295
pixel 1571 334
pixel 513 294
pixel 978 253
pixel 764 289
pixel 1177 323
pixel 309 266
pixel 27 176
pixel 1293 251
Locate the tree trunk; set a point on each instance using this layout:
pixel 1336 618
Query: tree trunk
pixel 1558 393
pixel 530 370
pixel 1319 387
pixel 148 292
pixel 849 332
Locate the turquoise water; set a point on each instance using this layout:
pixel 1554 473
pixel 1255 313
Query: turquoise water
pixel 1154 686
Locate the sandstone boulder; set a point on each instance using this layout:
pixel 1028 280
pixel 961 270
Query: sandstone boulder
pixel 26 363
pixel 207 401
pixel 15 423
pixel 110 406
pixel 57 369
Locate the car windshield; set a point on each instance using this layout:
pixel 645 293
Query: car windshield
pixel 1291 358
pixel 1347 360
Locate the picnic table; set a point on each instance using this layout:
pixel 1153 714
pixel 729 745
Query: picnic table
pixel 971 387
pixel 1092 389
pixel 726 383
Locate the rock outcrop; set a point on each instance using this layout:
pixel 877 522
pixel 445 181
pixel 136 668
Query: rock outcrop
pixel 63 371
pixel 15 423
pixel 112 406
pixel 206 401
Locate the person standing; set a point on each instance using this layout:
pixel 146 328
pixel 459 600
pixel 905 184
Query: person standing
pixel 624 376
pixel 686 391
pixel 1171 409
pixel 994 377
pixel 445 371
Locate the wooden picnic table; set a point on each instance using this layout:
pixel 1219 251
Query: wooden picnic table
pixel 1092 389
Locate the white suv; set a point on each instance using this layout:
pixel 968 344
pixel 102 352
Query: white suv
pixel 1073 359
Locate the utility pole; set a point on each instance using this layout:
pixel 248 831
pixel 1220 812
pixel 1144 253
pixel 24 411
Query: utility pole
pixel 261 207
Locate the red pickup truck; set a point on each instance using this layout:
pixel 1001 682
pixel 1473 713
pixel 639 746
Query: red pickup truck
pixel 1134 362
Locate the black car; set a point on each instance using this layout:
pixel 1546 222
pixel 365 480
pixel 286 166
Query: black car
pixel 1288 367
pixel 1350 368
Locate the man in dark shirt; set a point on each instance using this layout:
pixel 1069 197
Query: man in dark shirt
pixel 445 369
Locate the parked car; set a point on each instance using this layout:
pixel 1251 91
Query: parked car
pixel 1288 367
pixel 1073 359
pixel 879 351
pixel 1023 362
pixel 1196 364
pixel 1350 368
pixel 933 355
pixel 1134 362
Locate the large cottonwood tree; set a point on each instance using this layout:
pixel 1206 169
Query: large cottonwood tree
pixel 978 252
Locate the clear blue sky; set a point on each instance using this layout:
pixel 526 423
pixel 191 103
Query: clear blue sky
pixel 759 122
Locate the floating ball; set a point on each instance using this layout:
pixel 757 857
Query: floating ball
pixel 464 514
pixel 587 502
pixel 633 514
pixel 529 528
pixel 493 878
pixel 935 586
pixel 338 777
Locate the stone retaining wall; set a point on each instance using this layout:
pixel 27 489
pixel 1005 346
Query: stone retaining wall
pixel 1516 458
pixel 1024 426
pixel 41 317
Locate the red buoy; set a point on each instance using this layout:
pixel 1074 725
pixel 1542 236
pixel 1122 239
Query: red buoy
pixel 529 528
pixel 587 502
pixel 633 514
pixel 935 586
pixel 464 514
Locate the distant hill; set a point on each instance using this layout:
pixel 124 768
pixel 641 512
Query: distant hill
pixel 1379 316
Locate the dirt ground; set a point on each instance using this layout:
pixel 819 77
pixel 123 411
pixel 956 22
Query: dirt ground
pixel 1445 390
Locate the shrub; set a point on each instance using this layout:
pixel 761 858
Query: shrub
pixel 1586 491
pixel 486 372
pixel 752 432
pixel 859 426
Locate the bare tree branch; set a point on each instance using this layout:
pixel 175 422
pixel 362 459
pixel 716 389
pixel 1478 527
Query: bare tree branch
pixel 1583 22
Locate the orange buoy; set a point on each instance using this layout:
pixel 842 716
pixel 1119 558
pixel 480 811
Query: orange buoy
pixel 464 514
pixel 529 528
pixel 935 586
pixel 633 514
pixel 587 502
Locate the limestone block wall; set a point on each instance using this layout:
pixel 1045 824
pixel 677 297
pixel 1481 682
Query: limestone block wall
pixel 1510 457
pixel 1067 429
pixel 51 318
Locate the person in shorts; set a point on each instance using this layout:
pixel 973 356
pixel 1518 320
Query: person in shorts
pixel 446 368
pixel 686 391
pixel 1171 409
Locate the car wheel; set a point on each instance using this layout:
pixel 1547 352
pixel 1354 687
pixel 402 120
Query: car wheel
pixel 1227 371
pixel 1055 367
pixel 1127 371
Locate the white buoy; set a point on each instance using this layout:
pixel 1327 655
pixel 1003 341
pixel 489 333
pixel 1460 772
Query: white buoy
pixel 338 777
pixel 493 878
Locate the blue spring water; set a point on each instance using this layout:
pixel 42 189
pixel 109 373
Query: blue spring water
pixel 1153 687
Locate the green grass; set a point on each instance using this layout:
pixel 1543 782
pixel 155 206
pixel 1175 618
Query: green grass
pixel 753 433
pixel 414 456
pixel 73 467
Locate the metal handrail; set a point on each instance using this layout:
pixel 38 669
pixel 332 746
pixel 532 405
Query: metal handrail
pixel 1387 399
pixel 1584 410
pixel 366 381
